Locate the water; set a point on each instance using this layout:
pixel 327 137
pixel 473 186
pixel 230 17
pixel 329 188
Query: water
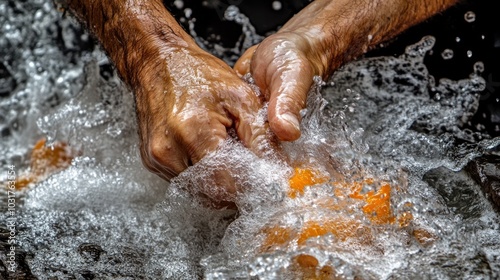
pixel 447 54
pixel 378 122
pixel 470 16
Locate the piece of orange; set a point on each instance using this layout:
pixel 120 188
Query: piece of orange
pixel 304 177
pixel 45 161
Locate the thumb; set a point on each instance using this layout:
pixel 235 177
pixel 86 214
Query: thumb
pixel 242 66
pixel 288 92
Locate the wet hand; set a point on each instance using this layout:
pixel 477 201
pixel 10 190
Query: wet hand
pixel 186 100
pixel 283 67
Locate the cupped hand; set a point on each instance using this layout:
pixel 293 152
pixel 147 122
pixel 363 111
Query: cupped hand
pixel 186 101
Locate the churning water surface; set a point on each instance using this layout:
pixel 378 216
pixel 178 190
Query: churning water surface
pixel 380 132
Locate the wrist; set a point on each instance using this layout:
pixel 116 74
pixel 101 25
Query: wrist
pixel 133 33
pixel 342 30
pixel 326 32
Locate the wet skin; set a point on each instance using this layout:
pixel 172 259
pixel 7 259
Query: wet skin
pixel 187 99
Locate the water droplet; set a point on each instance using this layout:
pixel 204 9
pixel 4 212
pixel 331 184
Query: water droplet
pixel 478 67
pixel 457 39
pixel 188 12
pixel 469 53
pixel 470 16
pixel 447 54
pixel 277 5
pixel 178 4
pixel 482 37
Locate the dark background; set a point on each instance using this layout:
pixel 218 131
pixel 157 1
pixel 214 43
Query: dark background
pixel 481 37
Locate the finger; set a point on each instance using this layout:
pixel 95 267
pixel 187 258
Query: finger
pixel 244 105
pixel 242 66
pixel 203 133
pixel 288 90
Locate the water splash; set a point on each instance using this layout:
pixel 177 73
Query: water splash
pixel 470 16
pixel 447 54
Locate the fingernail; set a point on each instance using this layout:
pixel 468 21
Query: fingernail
pixel 291 119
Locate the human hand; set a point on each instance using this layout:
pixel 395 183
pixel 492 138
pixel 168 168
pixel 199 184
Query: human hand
pixel 186 100
pixel 316 41
pixel 283 67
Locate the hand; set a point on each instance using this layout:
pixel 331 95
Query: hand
pixel 316 41
pixel 186 100
pixel 283 67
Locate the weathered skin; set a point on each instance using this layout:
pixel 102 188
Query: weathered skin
pixel 187 99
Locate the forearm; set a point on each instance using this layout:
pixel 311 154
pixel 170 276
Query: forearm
pixel 130 32
pixel 346 29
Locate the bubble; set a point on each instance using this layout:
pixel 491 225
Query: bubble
pixel 179 4
pixel 478 67
pixel 469 53
pixel 276 5
pixel 188 12
pixel 457 39
pixel 470 16
pixel 447 54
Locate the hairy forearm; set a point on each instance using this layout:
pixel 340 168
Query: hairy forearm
pixel 130 32
pixel 346 29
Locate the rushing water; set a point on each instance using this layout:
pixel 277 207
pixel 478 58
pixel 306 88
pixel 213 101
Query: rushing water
pixel 378 122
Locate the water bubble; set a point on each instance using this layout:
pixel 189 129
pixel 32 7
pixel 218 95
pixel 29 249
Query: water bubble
pixel 470 16
pixel 277 5
pixel 478 67
pixel 188 12
pixel 482 37
pixel 179 4
pixel 469 53
pixel 457 39
pixel 447 54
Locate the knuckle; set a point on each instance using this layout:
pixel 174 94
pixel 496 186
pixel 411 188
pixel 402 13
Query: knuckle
pixel 156 150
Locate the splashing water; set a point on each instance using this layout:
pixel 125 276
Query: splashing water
pixel 447 54
pixel 470 16
pixel 375 188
